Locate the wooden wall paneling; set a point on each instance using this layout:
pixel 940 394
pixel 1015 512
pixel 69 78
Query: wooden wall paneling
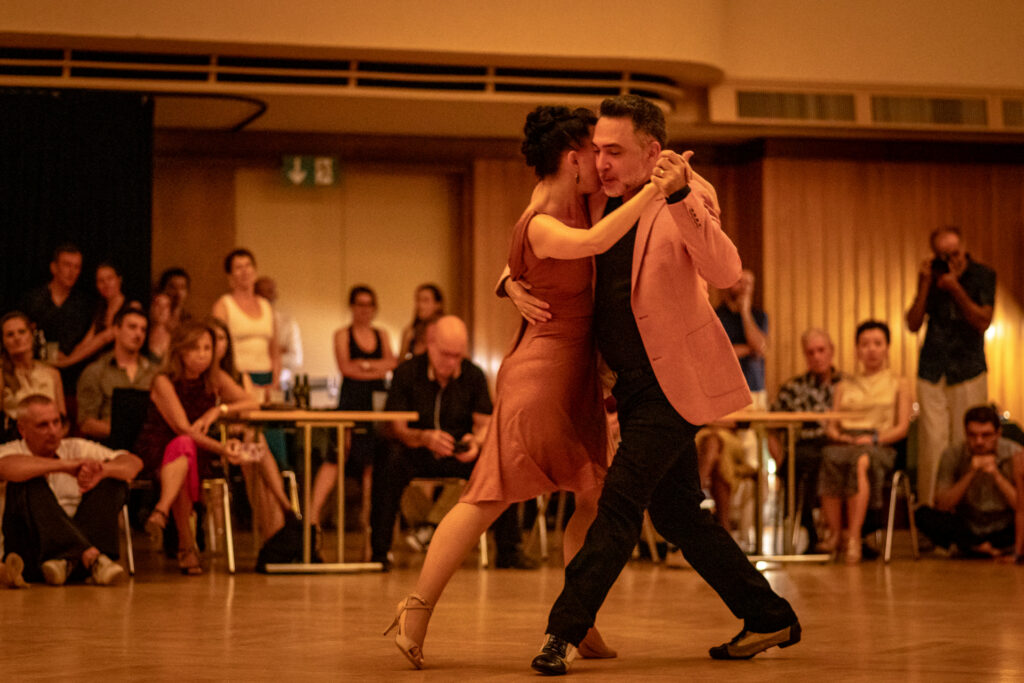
pixel 194 224
pixel 501 191
pixel 867 224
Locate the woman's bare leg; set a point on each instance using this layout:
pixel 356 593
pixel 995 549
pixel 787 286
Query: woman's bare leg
pixel 323 484
pixel 456 535
pixel 832 508
pixel 857 504
pixel 181 508
pixel 172 480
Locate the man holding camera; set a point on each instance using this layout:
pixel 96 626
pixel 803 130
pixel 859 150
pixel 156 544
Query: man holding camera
pixel 957 295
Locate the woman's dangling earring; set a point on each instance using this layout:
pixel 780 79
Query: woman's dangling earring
pixel 577 177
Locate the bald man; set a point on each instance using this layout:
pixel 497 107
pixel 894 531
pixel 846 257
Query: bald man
pixel 450 395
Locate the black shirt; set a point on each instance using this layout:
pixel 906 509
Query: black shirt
pixel 65 324
pixel 618 337
pixel 451 408
pixel 952 346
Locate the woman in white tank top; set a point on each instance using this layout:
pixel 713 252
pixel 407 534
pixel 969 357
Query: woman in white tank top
pixel 250 320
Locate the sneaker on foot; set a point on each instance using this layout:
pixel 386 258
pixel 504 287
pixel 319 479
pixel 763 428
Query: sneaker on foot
pixel 419 539
pixel 55 572
pixel 106 572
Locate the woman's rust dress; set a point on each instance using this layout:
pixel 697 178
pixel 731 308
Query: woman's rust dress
pixel 548 431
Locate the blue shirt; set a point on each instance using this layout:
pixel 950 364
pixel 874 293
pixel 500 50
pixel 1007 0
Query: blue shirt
pixel 752 366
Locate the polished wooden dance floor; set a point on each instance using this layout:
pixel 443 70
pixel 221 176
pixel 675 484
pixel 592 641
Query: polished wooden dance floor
pixel 933 620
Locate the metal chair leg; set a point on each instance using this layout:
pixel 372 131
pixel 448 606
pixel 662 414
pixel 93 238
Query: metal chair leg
pixel 891 522
pixel 909 494
pixel 484 555
pixel 229 541
pixel 128 550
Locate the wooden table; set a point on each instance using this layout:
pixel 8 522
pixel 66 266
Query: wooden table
pixel 761 421
pixel 306 420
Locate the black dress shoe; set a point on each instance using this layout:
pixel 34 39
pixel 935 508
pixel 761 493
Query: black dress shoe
pixel 554 657
pixel 746 644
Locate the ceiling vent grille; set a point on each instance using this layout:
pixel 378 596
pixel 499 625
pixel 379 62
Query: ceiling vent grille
pixel 795 106
pixel 939 111
pixel 1013 113
pixel 144 70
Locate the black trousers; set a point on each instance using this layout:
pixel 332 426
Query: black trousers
pixel 946 528
pixel 400 466
pixel 655 468
pixel 37 528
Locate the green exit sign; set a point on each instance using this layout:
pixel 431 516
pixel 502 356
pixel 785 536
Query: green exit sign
pixel 309 170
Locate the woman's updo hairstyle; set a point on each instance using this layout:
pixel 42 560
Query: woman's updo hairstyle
pixel 550 131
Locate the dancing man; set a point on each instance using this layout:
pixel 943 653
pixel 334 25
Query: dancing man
pixel 675 370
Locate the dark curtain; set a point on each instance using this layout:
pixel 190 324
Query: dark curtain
pixel 75 166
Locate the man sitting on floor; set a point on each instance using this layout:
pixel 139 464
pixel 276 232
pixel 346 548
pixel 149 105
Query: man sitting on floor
pixel 451 397
pixel 975 498
pixel 63 497
pixel 124 367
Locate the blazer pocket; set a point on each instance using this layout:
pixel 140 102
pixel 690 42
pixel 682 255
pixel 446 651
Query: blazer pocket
pixel 714 362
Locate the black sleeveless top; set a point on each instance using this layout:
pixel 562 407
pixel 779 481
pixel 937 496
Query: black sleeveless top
pixel 357 394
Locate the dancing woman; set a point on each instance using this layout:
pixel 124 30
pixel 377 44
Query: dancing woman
pixel 548 430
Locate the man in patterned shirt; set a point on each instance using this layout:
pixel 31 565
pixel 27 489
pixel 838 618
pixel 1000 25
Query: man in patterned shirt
pixel 811 391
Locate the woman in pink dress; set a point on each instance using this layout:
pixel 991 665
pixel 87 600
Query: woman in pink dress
pixel 548 430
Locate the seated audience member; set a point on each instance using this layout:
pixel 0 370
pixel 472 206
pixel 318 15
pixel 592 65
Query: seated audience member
pixel 809 392
pixel 123 367
pixel 23 375
pixel 101 333
pixel 272 504
pixel 160 326
pixel 975 496
pixel 175 283
pixel 289 339
pixel 188 396
pixel 721 461
pixel 61 311
pixel 450 395
pixel 747 327
pixel 63 499
pixel 860 453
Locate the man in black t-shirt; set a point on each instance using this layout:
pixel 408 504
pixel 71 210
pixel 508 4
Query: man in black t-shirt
pixel 450 395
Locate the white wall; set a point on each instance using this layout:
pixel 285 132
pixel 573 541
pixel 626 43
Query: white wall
pixel 389 228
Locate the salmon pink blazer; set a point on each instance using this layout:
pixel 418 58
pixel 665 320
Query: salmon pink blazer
pixel 680 248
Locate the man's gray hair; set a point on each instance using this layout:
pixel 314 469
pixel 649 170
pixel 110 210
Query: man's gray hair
pixel 815 332
pixel 33 400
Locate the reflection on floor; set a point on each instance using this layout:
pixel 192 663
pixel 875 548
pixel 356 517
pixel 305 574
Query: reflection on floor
pixel 936 619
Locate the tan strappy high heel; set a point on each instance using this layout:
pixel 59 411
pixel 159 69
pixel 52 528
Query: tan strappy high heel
pixel 412 650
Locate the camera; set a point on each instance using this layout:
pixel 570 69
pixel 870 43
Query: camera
pixel 940 266
pixel 461 447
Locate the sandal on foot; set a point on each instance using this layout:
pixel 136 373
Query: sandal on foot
pixel 188 562
pixel 155 526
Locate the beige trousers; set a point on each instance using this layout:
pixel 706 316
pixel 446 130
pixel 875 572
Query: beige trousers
pixel 941 424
